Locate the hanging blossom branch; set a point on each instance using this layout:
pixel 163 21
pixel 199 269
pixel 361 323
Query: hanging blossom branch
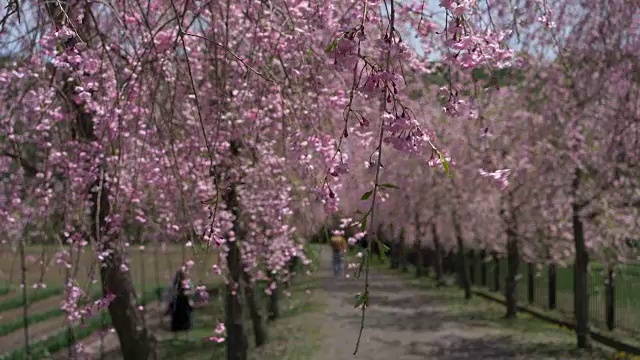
pixel 397 122
pixel 373 80
pixel 399 126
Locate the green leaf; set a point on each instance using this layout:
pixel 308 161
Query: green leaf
pixel 388 186
pixel 366 195
pixel 383 250
pixel 332 46
pixel 383 247
pixel 360 300
pixel 445 164
pixel 363 223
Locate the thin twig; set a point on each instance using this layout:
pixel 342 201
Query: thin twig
pixel 375 188
pixel 232 54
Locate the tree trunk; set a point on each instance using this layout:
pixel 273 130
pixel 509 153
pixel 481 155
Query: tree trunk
pixel 472 267
pixel 375 246
pixel 496 272
pixel 428 258
pixel 403 261
pixel 463 268
pixel 419 258
pixel 417 247
pixel 552 289
pixel 511 281
pixel 393 241
pixel 483 268
pixel 135 340
pixel 426 261
pixel 237 344
pixel 25 298
pixel 273 304
pixel 259 330
pixel 610 304
pixel 437 261
pixel 582 260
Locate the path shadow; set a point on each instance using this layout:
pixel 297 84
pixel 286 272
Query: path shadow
pixel 407 323
pixel 500 347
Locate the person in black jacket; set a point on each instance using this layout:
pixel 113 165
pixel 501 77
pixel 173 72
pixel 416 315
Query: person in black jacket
pixel 180 305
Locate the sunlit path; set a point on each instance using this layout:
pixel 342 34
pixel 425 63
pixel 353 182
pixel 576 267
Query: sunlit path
pixel 410 323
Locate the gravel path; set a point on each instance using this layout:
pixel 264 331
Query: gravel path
pixel 405 322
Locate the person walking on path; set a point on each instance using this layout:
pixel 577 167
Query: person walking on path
pixel 180 303
pixel 339 247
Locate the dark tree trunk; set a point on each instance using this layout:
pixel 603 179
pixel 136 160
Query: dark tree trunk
pixel 552 289
pixel 451 261
pixel 259 330
pixel 531 283
pixel 513 257
pixel 437 253
pixel 428 258
pixel 582 260
pixel 381 240
pixel 426 261
pixel 511 282
pixel 273 304
pixel 417 248
pixel 237 344
pixel 463 268
pixel 419 258
pixel 395 258
pixel 496 272
pixel 483 268
pixel 135 340
pixel 472 267
pixel 403 260
pixel 610 304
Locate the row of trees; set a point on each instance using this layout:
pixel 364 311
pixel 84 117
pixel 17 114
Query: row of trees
pixel 543 169
pixel 161 121
pixel 214 122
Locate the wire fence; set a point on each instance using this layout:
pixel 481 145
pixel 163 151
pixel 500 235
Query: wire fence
pixel 614 295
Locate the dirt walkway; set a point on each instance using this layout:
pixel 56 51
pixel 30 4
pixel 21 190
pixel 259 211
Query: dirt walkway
pixel 406 322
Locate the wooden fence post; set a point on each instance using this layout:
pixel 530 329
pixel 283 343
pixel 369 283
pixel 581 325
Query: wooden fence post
pixel 610 299
pixel 551 272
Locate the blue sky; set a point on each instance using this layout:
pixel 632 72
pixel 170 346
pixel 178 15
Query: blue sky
pixel 433 7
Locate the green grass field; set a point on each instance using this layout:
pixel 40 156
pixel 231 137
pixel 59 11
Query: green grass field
pixel 151 269
pixel 294 336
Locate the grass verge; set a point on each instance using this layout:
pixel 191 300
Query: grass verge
pixel 294 336
pixel 526 335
